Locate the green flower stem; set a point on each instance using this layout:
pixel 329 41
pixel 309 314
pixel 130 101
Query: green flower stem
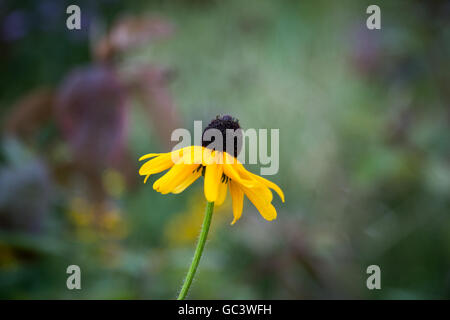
pixel 198 251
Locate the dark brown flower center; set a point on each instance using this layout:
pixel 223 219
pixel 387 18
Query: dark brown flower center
pixel 231 137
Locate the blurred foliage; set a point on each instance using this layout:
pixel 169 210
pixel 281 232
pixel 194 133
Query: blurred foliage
pixel 364 147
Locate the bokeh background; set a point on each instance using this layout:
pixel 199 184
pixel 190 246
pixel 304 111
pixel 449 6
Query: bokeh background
pixel 364 147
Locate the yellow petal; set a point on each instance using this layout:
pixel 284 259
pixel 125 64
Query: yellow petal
pixel 173 172
pixel 244 173
pixel 231 172
pixel 222 194
pixel 193 155
pixel 237 195
pixel 149 155
pixel 251 182
pixel 268 184
pixel 186 183
pixel 213 175
pixel 177 155
pixel 209 157
pixel 265 208
pixel 229 159
pixel 156 165
pixel 173 178
pixel 262 189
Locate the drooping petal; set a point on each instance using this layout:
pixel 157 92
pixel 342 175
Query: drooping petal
pixel 234 175
pixel 264 192
pixel 265 208
pixel 237 196
pixel 248 176
pixel 173 178
pixel 222 193
pixel 149 155
pixel 186 183
pixel 213 175
pixel 187 172
pixel 229 159
pixel 156 165
pixel 167 177
pixel 177 155
pixel 268 184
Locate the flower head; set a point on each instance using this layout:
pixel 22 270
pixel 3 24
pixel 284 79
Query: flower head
pixel 221 171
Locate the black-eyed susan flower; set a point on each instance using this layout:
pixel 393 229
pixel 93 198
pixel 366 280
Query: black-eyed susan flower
pixel 221 171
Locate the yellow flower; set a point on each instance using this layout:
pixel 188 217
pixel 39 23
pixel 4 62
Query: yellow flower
pixel 221 171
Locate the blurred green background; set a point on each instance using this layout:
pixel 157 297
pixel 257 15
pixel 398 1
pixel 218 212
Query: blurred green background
pixel 364 147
